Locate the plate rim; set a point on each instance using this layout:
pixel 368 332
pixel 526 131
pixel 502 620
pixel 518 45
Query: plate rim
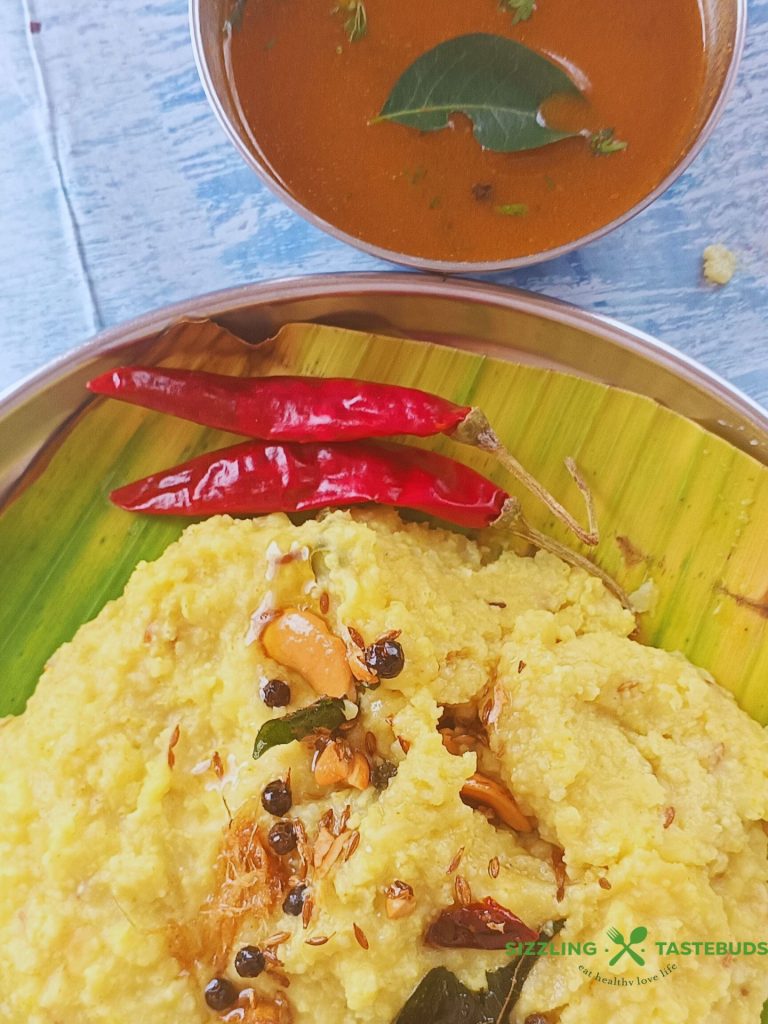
pixel 216 303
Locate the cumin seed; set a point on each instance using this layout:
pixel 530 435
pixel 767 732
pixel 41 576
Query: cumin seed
pixel 306 911
pixel 462 891
pixel 171 744
pixel 318 940
pixel 356 637
pixel 341 824
pixel 456 861
pixel 328 820
pixel 352 844
pixel 360 936
pixel 493 867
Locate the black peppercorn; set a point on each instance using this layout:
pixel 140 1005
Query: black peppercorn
pixel 276 798
pixel 276 693
pixel 220 994
pixel 293 903
pixel 282 837
pixel 385 658
pixel 249 962
pixel 382 773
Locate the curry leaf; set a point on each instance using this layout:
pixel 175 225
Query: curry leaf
pixel 440 998
pixel 498 83
pixel 326 713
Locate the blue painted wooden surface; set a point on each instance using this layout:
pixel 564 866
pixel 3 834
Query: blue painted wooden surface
pixel 119 194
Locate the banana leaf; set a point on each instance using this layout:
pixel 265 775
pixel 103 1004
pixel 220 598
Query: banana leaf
pixel 676 504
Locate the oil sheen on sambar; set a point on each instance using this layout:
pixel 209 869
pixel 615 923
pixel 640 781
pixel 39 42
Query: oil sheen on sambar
pixel 309 96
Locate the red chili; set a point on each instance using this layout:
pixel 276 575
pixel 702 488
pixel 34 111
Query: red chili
pixel 284 408
pixel 257 477
pixel 316 409
pixel 483 925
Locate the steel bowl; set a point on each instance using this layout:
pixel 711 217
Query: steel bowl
pixel 725 24
pixel 505 323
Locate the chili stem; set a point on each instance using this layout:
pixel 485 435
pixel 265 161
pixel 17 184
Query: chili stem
pixel 588 497
pixel 512 518
pixel 477 431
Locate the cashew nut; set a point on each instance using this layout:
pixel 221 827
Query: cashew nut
pixel 302 641
pixel 479 789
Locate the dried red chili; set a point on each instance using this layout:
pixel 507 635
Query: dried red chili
pixel 316 409
pixel 482 925
pixel 284 408
pixel 259 477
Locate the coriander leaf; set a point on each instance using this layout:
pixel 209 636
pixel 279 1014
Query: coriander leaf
pixel 326 713
pixel 523 9
pixel 356 24
pixel 603 143
pixel 513 209
pixel 497 82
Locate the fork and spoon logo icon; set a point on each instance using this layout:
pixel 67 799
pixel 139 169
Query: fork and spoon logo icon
pixel 638 934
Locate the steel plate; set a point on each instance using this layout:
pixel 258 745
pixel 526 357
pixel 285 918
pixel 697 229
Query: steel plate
pixel 506 323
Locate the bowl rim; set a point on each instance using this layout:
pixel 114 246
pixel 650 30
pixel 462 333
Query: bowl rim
pixel 220 302
pixel 459 266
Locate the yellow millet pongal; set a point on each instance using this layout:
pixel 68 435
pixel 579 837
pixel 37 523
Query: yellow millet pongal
pixel 134 860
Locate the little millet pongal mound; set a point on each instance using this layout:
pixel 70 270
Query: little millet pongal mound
pixel 515 762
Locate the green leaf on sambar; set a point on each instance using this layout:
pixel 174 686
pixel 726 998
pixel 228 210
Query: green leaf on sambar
pixel 497 82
